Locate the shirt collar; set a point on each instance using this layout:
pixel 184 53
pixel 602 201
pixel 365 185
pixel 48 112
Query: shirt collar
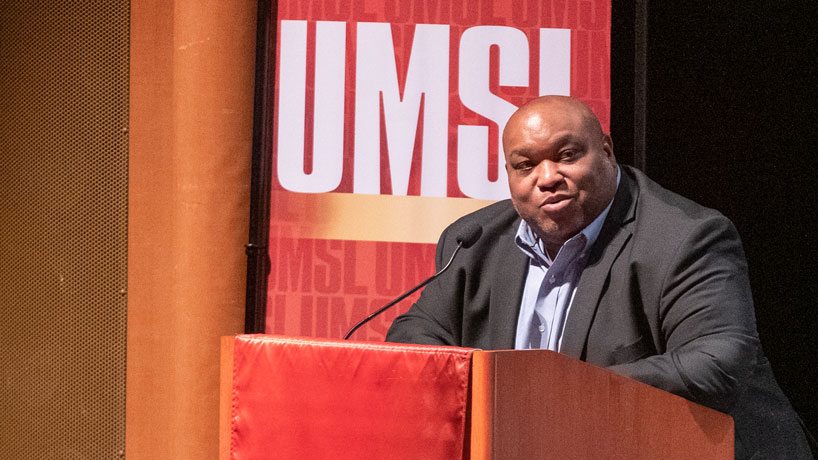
pixel 530 243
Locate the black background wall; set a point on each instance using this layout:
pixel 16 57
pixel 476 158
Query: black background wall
pixel 730 121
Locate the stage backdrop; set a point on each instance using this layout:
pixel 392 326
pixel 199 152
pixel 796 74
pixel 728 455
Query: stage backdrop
pixel 386 128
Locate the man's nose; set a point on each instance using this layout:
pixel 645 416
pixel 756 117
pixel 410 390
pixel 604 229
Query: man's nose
pixel 548 175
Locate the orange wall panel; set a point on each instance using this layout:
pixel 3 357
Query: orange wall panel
pixel 191 114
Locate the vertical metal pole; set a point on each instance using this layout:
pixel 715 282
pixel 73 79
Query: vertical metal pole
pixel 258 263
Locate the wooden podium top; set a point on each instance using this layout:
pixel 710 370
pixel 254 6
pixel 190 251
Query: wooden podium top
pixel 541 404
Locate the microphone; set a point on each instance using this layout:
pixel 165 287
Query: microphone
pixel 467 236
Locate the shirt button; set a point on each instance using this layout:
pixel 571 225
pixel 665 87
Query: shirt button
pixel 542 328
pixel 552 279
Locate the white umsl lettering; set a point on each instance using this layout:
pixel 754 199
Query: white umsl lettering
pixel 377 80
pixel 328 121
pixel 472 141
pixel 376 86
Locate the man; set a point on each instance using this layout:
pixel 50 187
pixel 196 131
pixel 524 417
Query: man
pixel 596 261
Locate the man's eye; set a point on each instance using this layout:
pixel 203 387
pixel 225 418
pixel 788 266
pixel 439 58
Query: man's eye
pixel 523 166
pixel 569 154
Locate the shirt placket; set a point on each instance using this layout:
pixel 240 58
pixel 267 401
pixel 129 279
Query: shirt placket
pixel 549 312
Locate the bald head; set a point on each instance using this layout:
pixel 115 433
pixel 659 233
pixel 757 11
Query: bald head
pixel 564 105
pixel 561 167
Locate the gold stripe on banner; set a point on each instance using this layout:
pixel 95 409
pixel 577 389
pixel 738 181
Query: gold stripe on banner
pixel 347 216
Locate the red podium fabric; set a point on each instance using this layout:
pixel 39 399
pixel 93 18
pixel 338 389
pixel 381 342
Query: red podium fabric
pixel 321 399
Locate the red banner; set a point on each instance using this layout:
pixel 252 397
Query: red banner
pixel 387 127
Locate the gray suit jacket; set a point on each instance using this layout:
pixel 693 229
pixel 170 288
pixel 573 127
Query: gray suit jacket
pixel 664 299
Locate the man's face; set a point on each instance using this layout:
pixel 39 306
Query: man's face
pixel 561 169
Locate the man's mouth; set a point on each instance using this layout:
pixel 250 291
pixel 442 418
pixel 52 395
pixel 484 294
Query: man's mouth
pixel 556 203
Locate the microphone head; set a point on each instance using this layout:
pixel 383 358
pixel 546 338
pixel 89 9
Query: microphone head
pixel 469 235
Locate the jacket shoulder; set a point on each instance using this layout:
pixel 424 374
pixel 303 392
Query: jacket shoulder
pixel 493 219
pixel 666 211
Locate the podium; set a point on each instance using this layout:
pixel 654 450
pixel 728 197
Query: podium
pixel 303 398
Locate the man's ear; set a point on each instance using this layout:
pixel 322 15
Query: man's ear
pixel 607 146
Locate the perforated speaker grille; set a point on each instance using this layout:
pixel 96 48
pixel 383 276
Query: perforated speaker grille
pixel 63 228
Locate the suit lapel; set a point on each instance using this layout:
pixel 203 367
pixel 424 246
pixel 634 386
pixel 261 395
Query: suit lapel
pixel 507 292
pixel 612 238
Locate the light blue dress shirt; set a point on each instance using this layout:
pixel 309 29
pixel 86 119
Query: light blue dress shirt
pixel 550 285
